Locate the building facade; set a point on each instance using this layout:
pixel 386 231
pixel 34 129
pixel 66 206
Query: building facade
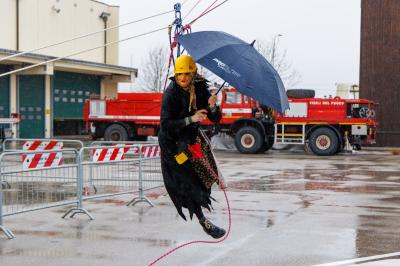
pixel 49 99
pixel 380 65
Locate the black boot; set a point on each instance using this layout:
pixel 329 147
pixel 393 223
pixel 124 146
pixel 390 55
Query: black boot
pixel 211 229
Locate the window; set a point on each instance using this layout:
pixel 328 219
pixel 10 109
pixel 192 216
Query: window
pixel 233 97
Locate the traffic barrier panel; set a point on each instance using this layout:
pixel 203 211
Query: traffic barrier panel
pixel 113 143
pixel 31 189
pixel 40 144
pixel 150 175
pixel 108 170
pixel 120 169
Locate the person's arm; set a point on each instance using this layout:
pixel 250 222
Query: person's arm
pixel 168 121
pixel 213 111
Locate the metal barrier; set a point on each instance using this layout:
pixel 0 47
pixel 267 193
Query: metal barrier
pixel 40 144
pixel 36 180
pixel 121 169
pixel 118 143
pixel 150 175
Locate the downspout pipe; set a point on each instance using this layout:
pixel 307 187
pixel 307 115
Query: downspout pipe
pixel 17 25
pixel 104 16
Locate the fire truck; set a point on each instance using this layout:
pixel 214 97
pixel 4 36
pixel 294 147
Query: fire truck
pixel 324 126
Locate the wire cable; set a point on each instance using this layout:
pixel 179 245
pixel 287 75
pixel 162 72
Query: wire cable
pixel 190 11
pixel 208 10
pixel 86 35
pixel 80 52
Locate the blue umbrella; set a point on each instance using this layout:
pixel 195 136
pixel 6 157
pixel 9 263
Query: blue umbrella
pixel 238 63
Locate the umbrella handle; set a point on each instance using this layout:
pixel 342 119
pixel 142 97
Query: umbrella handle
pixel 220 88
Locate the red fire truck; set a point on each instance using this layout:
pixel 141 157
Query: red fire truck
pixel 324 126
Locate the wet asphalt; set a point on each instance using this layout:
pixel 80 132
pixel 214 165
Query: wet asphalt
pixel 288 208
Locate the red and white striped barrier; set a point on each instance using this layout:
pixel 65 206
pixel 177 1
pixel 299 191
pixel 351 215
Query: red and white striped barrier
pixel 41 160
pixel 109 154
pixel 118 152
pixel 149 151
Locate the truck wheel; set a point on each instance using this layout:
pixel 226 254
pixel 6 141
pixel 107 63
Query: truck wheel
pixel 300 93
pixel 323 141
pixel 248 140
pixel 115 132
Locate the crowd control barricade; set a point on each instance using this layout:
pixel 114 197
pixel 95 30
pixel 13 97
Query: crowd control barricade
pixel 119 169
pixel 40 144
pixel 37 180
pixel 114 143
pixel 150 175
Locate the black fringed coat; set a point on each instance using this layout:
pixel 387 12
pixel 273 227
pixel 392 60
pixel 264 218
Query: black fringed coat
pixel 182 183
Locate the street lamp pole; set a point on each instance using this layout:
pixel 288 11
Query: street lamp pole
pixel 274 48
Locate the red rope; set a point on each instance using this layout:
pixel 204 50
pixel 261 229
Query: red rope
pixel 205 12
pixel 222 186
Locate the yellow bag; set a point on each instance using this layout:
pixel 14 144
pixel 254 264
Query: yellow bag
pixel 181 158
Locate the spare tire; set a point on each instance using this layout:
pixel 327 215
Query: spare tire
pixel 300 93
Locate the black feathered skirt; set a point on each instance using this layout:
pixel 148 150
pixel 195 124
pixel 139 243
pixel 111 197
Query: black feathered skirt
pixel 189 184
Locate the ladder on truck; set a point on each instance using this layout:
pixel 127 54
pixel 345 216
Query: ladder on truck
pixel 282 136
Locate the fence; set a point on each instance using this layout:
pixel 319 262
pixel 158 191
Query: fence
pixel 35 180
pixel 38 180
pixel 121 169
pixel 114 143
pixel 40 144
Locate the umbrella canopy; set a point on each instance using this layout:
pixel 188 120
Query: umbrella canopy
pixel 238 63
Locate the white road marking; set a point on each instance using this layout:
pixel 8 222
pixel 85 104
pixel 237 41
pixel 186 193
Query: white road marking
pixel 345 262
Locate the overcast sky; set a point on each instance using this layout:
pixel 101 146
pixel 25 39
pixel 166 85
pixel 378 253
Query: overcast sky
pixel 322 37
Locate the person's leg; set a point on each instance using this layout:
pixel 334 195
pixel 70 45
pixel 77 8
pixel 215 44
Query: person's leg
pixel 208 227
pixel 199 213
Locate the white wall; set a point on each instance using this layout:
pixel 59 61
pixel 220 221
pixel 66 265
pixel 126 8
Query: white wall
pixel 40 24
pixel 8 23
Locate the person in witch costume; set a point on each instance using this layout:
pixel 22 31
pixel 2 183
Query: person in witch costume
pixel 187 163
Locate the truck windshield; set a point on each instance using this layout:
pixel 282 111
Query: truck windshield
pixel 233 97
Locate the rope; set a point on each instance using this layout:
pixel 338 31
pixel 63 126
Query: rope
pixel 222 186
pixel 171 56
pixel 81 52
pixel 208 10
pixel 190 11
pixel 85 35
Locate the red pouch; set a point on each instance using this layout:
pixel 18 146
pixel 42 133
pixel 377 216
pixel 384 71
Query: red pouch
pixel 196 151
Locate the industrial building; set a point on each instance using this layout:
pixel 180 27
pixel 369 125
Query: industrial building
pixel 380 65
pixel 49 99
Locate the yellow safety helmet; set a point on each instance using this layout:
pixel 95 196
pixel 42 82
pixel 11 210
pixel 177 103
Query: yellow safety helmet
pixel 185 64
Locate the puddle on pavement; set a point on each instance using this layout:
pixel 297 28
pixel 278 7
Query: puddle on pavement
pixel 82 234
pixel 37 192
pixel 344 180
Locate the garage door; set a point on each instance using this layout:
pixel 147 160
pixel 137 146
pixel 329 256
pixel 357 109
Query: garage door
pixel 31 106
pixel 4 94
pixel 70 90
